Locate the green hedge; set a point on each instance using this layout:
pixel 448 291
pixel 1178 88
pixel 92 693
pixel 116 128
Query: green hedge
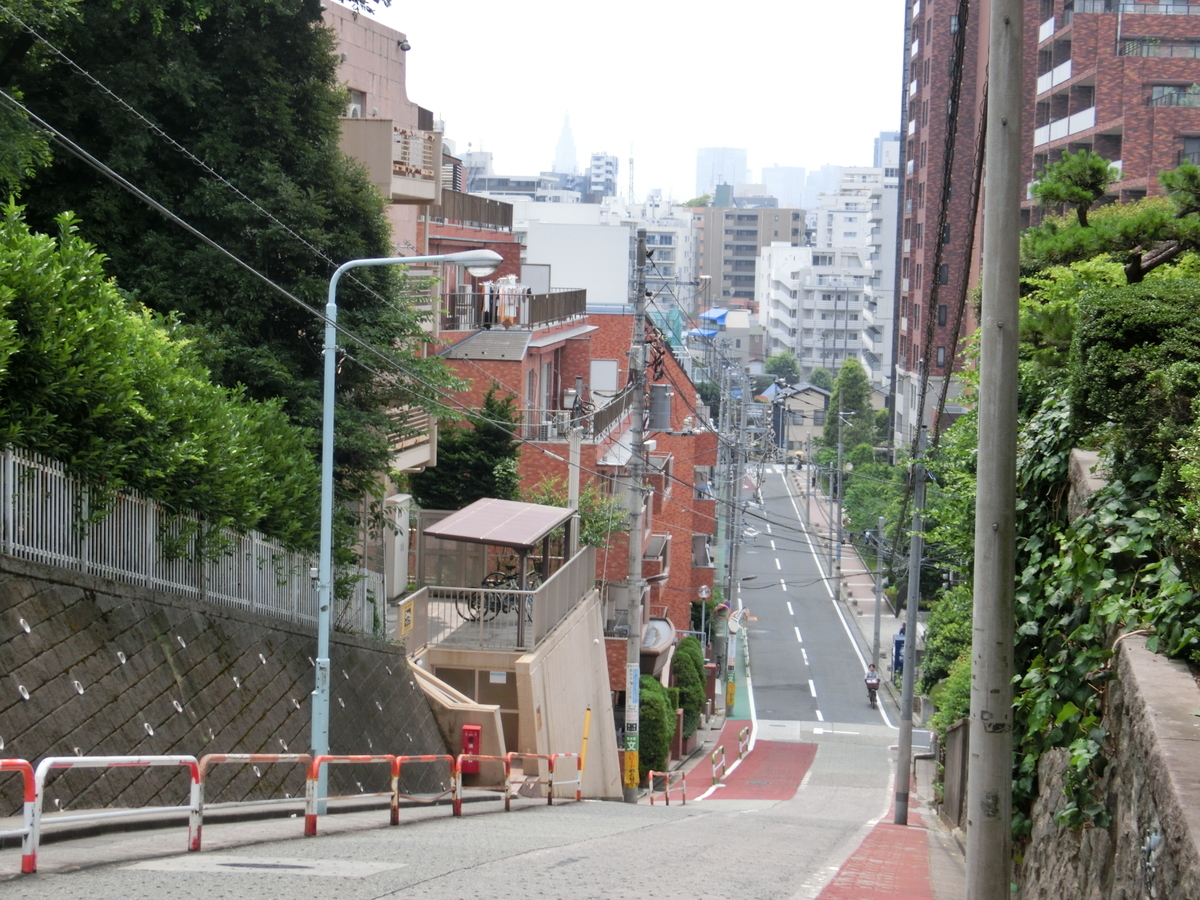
pixel 689 678
pixel 656 725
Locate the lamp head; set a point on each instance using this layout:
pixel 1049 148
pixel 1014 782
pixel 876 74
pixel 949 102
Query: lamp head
pixel 479 263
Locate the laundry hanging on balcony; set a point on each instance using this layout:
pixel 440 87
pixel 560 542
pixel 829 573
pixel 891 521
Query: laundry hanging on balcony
pixel 504 300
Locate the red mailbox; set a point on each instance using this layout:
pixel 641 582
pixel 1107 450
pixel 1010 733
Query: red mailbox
pixel 472 740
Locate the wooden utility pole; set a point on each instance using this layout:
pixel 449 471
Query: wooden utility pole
pixel 989 788
pixel 635 584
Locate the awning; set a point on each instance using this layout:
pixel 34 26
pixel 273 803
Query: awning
pixel 703 332
pixel 716 314
pixel 505 523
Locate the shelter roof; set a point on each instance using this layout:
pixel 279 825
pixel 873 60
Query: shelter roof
pixel 505 523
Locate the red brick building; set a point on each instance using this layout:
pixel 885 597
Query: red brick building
pixel 544 360
pixel 1117 78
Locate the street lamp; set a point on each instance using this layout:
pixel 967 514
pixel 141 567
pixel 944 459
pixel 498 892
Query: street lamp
pixel 479 263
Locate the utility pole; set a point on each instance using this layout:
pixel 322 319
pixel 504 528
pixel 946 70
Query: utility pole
pixel 879 592
pixel 916 549
pixel 989 791
pixel 633 649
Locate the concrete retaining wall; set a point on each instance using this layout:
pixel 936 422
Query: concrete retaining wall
pixel 111 669
pixel 1151 789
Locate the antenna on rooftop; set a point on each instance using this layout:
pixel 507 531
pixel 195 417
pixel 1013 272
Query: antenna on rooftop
pixel 632 197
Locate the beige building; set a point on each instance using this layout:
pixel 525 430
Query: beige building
pixel 729 242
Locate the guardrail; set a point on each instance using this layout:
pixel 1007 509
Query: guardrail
pixel 666 791
pixel 475 757
pixel 25 832
pixel 743 742
pixel 35 782
pixel 108 762
pixel 209 760
pixel 720 751
pixel 551 760
pixel 312 800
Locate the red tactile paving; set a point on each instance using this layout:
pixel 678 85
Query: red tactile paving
pixel 892 863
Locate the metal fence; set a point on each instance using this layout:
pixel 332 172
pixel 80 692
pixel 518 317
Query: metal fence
pixel 48 517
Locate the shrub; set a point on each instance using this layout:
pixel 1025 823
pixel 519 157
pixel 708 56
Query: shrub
pixel 689 678
pixel 656 724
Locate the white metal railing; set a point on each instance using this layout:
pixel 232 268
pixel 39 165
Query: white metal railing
pixel 47 516
pixel 482 618
pixel 1061 128
pixel 1046 29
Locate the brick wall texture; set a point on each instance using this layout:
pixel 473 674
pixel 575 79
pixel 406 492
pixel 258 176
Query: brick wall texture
pixel 111 669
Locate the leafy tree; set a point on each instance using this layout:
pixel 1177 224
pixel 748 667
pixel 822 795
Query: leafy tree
pixel 948 636
pixel 115 393
pixel 852 398
pixel 1077 180
pixel 783 365
pixel 474 461
pixel 1143 236
pixel 251 88
pixel 822 378
pixel 702 200
pixel 600 516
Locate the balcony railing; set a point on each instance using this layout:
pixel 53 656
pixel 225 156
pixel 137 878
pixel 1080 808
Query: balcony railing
pixel 1061 128
pixel 416 164
pixel 1134 9
pixel 1189 97
pixel 480 618
pixel 1054 77
pixel 470 310
pixel 556 424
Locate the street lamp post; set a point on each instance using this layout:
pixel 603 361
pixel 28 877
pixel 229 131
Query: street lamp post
pixel 478 262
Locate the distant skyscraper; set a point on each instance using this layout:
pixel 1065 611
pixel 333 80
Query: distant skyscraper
pixel 786 183
pixel 719 165
pixel 565 159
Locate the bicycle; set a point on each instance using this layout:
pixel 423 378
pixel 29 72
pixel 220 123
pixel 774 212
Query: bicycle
pixel 872 690
pixel 502 599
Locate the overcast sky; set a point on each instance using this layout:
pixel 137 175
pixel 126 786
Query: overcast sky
pixel 797 83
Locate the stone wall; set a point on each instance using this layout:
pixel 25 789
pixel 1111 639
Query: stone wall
pixel 92 667
pixel 1151 789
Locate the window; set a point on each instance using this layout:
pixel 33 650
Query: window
pixel 946 233
pixel 358 102
pixel 942 314
pixel 941 357
pixel 944 274
pixel 954 24
pixel 818 417
pixel 850 234
pixel 822 260
pixel 702 480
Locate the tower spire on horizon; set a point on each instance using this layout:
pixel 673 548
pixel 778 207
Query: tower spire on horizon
pixel 565 158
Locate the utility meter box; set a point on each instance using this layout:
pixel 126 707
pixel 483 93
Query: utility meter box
pixel 472 740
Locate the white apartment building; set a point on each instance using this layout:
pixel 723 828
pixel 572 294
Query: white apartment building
pixel 602 175
pixel 834 300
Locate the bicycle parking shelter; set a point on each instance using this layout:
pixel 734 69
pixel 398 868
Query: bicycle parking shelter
pixel 520 527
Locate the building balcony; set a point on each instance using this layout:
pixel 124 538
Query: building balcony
pixel 471 309
pixel 1046 29
pixel 1054 77
pixel 405 164
pixel 1065 127
pixel 552 425
pixel 1131 9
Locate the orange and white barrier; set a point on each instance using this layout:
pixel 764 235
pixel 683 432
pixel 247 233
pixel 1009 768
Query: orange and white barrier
pixel 666 791
pixel 313 801
pixel 28 854
pixel 475 757
pixel 551 768
pixel 109 762
pixel 209 760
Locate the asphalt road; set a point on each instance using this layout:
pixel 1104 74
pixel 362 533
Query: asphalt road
pixel 806 666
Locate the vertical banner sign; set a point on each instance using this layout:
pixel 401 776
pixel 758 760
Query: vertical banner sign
pixel 632 701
